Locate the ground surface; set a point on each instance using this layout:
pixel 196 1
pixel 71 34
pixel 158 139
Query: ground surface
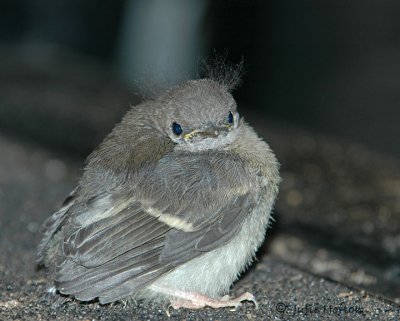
pixel 332 254
pixel 292 280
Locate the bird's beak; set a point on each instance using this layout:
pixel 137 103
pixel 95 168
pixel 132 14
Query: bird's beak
pixel 208 133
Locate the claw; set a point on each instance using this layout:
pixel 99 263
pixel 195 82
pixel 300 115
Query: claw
pixel 167 310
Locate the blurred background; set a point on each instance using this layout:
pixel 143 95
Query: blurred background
pixel 70 69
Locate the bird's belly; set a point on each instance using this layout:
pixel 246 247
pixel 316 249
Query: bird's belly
pixel 214 272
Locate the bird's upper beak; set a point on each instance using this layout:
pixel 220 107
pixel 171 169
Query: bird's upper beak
pixel 212 132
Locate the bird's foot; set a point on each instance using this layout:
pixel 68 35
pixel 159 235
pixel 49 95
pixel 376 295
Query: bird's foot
pixel 193 300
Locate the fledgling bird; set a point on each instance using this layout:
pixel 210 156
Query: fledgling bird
pixel 172 205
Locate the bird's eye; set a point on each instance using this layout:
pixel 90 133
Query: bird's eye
pixel 230 118
pixel 177 129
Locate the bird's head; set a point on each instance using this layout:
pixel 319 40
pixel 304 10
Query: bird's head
pixel 199 115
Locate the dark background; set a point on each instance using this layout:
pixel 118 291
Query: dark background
pixel 331 66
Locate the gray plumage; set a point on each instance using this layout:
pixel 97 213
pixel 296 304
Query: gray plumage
pixel 155 210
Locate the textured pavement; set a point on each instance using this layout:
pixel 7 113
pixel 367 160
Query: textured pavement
pixel 35 180
pixel 333 252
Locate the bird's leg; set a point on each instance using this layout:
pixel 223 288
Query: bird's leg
pixel 194 300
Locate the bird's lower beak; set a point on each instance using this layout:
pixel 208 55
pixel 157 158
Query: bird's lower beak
pixel 209 133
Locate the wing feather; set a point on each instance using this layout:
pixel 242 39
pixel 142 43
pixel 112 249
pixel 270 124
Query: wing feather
pixel 87 284
pixel 96 248
pixel 116 243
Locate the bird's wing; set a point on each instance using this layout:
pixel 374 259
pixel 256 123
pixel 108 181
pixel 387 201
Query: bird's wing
pixel 108 242
pixel 53 223
pixel 182 207
pixel 205 197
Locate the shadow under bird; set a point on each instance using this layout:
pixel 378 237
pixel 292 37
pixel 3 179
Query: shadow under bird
pixel 171 206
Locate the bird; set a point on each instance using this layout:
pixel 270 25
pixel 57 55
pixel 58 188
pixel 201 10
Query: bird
pixel 171 207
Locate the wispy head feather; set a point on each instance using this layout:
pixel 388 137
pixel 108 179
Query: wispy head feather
pixel 153 83
pixel 218 69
